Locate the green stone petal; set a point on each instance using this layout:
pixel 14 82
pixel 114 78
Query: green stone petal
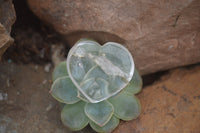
pixel 60 71
pixel 64 90
pixel 73 116
pixel 111 125
pixel 126 105
pixel 100 113
pixel 135 85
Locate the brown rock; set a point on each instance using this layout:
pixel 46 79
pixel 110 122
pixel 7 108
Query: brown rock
pixel 7 19
pixel 7 14
pixel 5 40
pixel 171 105
pixel 160 35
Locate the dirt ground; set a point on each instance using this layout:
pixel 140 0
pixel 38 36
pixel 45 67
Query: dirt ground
pixel 25 103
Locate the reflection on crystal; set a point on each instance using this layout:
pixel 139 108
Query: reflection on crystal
pixel 95 87
pixel 100 71
pixel 80 52
pixel 107 66
pixel 94 72
pixel 77 68
pixel 116 82
pixel 118 56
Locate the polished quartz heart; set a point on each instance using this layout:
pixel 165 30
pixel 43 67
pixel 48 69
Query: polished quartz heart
pixel 99 72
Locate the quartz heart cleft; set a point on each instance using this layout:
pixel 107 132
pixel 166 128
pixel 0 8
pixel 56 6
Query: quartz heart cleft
pixel 98 71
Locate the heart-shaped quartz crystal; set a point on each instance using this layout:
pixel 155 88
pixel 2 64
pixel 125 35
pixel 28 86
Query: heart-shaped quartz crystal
pixel 99 72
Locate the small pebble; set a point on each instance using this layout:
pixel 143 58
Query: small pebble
pixel 9 60
pixel 18 93
pixel 36 67
pixel 49 107
pixel 47 67
pixel 3 96
pixel 8 82
pixel 42 53
pixel 44 81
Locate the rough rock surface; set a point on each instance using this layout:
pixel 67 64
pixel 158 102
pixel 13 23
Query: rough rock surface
pixel 160 35
pixel 170 105
pixel 5 40
pixel 7 18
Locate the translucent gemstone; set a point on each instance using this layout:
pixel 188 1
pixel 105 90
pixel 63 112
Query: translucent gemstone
pixel 77 68
pixel 99 72
pixel 95 87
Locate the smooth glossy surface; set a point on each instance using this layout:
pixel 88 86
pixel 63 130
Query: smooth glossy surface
pixel 60 71
pixel 73 116
pixel 100 113
pixel 135 85
pixel 99 72
pixel 64 90
pixel 126 105
pixel 111 125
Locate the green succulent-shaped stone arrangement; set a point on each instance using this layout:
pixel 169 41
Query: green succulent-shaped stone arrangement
pixel 97 86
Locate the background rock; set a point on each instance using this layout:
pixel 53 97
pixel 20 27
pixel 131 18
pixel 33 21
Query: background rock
pixel 5 40
pixel 7 19
pixel 160 35
pixel 169 105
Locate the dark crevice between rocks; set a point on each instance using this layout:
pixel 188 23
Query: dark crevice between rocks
pixel 99 36
pixel 33 39
pixel 149 79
